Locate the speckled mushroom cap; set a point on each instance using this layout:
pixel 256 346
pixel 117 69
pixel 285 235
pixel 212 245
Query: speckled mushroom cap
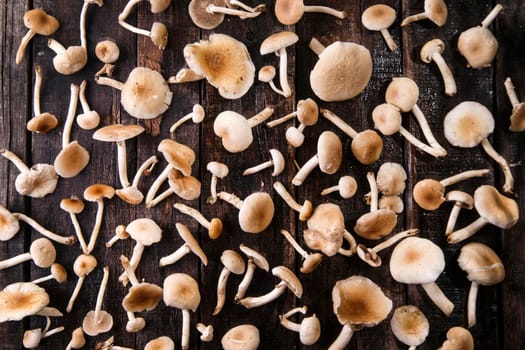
pixel 467 124
pixel 403 93
pixel 117 132
pixel 481 264
pixel 325 229
pixel 497 209
pixel 21 299
pixel 410 325
pixel 197 9
pixel 181 291
pixel 241 337
pixel 256 212
pixel 180 156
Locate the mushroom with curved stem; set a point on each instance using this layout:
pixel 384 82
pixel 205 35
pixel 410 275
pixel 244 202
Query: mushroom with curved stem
pixel 42 252
pixel 132 194
pixel 186 187
pixel 41 122
pixel 288 281
pixel 58 273
pixel 310 261
pixel 255 259
pixel 235 130
pixel 89 119
pixel 158 33
pixel 233 263
pixel 84 264
pixel 470 124
pixel 379 18
pixel 309 329
pixel 458 338
pixel 209 14
pixel 218 170
pixel 108 52
pixel 77 339
pixel 74 206
pixel 493 208
pixel 206 332
pixel 369 255
pixel 432 51
pixel 99 321
pixel 266 75
pixel 238 3
pixel 289 12
pixel 97 193
pixel 109 344
pixel 477 44
pixel 37 21
pixel 517 118
pixel 277 162
pixel 346 186
pixel 461 200
pixel 190 246
pixel 410 325
pixel 255 211
pixel 307 113
pixel 244 336
pixel 197 116
pixel 434 10
pixel 32 337
pixel 214 226
pixel 120 234
pixel 226 10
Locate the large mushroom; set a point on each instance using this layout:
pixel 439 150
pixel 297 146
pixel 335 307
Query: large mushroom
pixel 42 252
pixel 289 12
pixel 98 321
pixel 255 211
pixel 21 299
pixel 37 21
pixel 41 122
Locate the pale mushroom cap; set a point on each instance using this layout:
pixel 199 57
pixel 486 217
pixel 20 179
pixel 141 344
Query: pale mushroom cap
pixel 225 62
pixel 202 18
pixel 98 191
pixel 329 152
pixel 347 186
pixel 416 261
pixel 310 330
pixel 160 343
pixel 376 224
pixel 410 325
pixel 342 71
pixel 481 264
pixel 135 325
pixel 256 212
pixel 478 45
pixel 234 130
pixel 9 225
pixel 242 337
pixel 278 162
pixel 72 205
pixel 71 160
pixel 387 118
pixel 328 221
pixel 158 6
pixel 43 252
pixel 186 187
pixel 495 208
pixel 117 132
pixel 131 195
pixel 233 261
pixel 218 169
pixel 428 194
pixel 21 299
pixel 458 338
pixel 180 156
pixel 181 291
pixel 460 198
pixel 42 123
pixel 84 265
pixel 142 297
pixel 287 276
pixel 107 51
pixel 394 203
pixel 391 178
pixel 71 61
pixel 145 94
pixel 59 272
pixel 403 93
pixel 266 73
pixel 289 12
pixel 359 302
pixel 189 240
pixel 431 47
pixel 467 124
pixel 378 17
pixel 256 257
pixel 159 35
pixel 92 327
pixel 307 112
pixel 436 11
pixel 367 146
pixel 145 231
pixel 40 22
pixel 39 181
pixel 277 41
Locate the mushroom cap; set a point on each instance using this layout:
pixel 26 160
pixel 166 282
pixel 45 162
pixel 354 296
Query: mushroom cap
pixel 342 71
pixel 215 229
pixel 242 337
pixel 458 338
pixel 329 152
pixel 107 51
pixel 310 330
pixel 378 17
pixel 40 22
pixel 481 263
pixel 160 343
pixel 131 195
pixel 478 45
pixel 70 61
pixel 43 252
pixel 307 112
pixel 416 261
pixel 376 224
pixel 234 130
pixel 92 327
pixel 98 191
pixel 84 264
pixel 42 123
pixel 224 61
pixel 145 94
pixel 197 113
pixel 278 41
pixel 391 178
pixel 368 255
pixel 359 302
pixel 255 257
pixel 430 48
pixel 77 338
pixel 497 209
pixel 410 325
pixel 145 231
pixel 347 186
pixel 186 187
pixel 256 212
pixel 32 338
pixel 159 35
pixel 289 12
pixel 393 202
pixel 201 17
pixel 517 119
pixel 463 199
pixel 428 194
pixel 233 261
pixel 467 124
pixel 71 160
pixel 135 325
pixel 117 132
pixel 290 279
pixel 9 224
pixel 21 299
pixel 278 162
pixel 158 6
pixel 387 118
pixel 59 272
pixel 325 226
pixel 367 146
pixel 403 93
pixel 311 262
pixel 437 11
pixel 181 291
pixel 39 181
pixel 180 156
pixel 217 169
pixel 142 297
pixel 72 205
pixel 266 73
pixel 191 242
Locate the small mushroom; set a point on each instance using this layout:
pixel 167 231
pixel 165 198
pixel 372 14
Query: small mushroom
pixel 214 226
pixel 288 281
pixel 42 122
pixel 218 170
pixel 42 252
pixel 32 337
pixel 434 10
pixel 185 75
pixel 369 255
pixel 244 336
pixel 391 179
pixel 108 52
pixel 89 119
pixel 58 273
pixel 310 261
pixel 289 12
pixel 255 259
pixel 304 210
pixel 37 21
pixel 74 206
pixel 233 263
pixel 186 187
pixel 410 325
pixel 206 332
pixel 158 33
pixel 160 343
pixel 134 324
pixel 120 234
pixel 277 43
pixel 77 339
pixel 309 329
pixel 477 44
pixel 277 162
pixel 255 211
pixel 379 18
pixel 470 124
pixel 99 321
pixel 458 338
pixel 109 344
pixel 84 264
pixel 190 246
pixel 346 186
pixel 21 299
pixel 432 51
pixel 132 194
pixel 461 200
pixel 209 14
pixel 307 113
pixel 226 9
pixel 517 118
pixel 97 193
pixel 266 75
pixel 235 130
pixel 394 203
pixel 197 116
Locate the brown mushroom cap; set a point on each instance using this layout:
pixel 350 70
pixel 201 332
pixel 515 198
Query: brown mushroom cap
pixel 256 212
pixel 186 187
pixel 159 35
pixel 234 130
pixel 436 11
pixel 481 263
pixel 40 22
pixel 181 291
pixel 43 252
pixel 378 17
pixel 467 124
pixel 428 194
pixel 458 338
pixel 478 45
pixel 277 41
pixel 497 209
pixel 367 146
pixel 202 18
pixel 160 343
pixel 107 51
pixel 72 205
pixel 325 229
pixel 307 112
pixel 387 118
pixel 71 160
pixel 242 337
pixel 180 156
pixel 98 191
pixel 233 261
pixel 9 225
pixel 142 297
pixel 21 299
pixel 410 325
pixel 329 152
pixel 59 272
pixel 42 123
pixel 403 93
pixel 117 132
pixel 376 224
pixel 145 231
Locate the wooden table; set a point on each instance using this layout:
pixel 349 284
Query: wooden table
pixel 501 317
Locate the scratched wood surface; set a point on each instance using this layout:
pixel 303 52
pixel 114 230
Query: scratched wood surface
pixel 501 317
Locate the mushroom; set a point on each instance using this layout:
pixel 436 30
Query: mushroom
pixel 160 343
pixel 158 33
pixel 182 292
pixel 225 63
pixel 410 325
pixel 255 259
pixel 190 246
pixel 266 75
pixel 419 261
pixel 391 179
pixel 42 122
pixel 255 211
pixel 205 331
pixel 493 208
pixel 74 206
pixel 21 299
pixel 517 118
pixel 197 116
pixel 58 273
pixel 108 52
pixel 98 321
pixel 346 186
pixel 37 21
pixel 244 336
pixel 310 261
pixel 434 10
pixel 37 182
pixel 366 145
pixel 358 303
pixel 277 162
pixel 428 193
pixel 209 14
pixel 309 329
pixel 277 43
pixel 477 44
pixel 132 194
pixel 214 226
pixel 483 267
pixel 288 281
pixel 186 187
pixel 328 157
pixel 42 252
pixel 108 344
pixel 89 119
pixel 225 8
pixel 120 234
pixel 73 157
pixel 369 255
pixel 458 338
pixel 218 170
pixel 469 124
pixel 77 339
pixel 461 200
pixel 432 51
pixel 342 71
pixel 394 203
pixel 97 193
pixel 379 18
pixel 289 12
pixel 304 210
pixel 32 337
pixel 235 130
pixel 233 263
pixel 84 264
pixel 185 75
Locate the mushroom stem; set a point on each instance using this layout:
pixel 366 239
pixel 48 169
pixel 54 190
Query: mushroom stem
pixel 388 39
pixel 329 190
pixel 276 89
pixel 134 29
pixel 83 12
pixel 463 176
pixel 427 132
pixel 394 239
pixel 326 10
pixel 258 8
pixel 127 9
pixel 452 219
pixel 185 337
pixel 184 75
pixel 260 117
pixel 122 164
pixel 145 169
pixel 251 302
pixel 23 45
pixel 340 123
pixel 78 232
pixel 374 191
pixel 417 143
pixel 136 256
pixel 343 338
pixel 230 198
pixel 194 213
pixel 71 111
pixel 96 228
pixel 15 260
pixel 120 233
pixel 74 295
pixel 316 46
pixel 232 12
pixel 257 168
pixel 509 87
pixel 446 73
pixel 82 97
pixel 115 84
pixel 19 163
pixel 508 186
pixel 246 281
pixel 305 170
pixel 168 192
pixel 156 185
pixel 286 323
pixel 179 122
pixel 36 93
pixel 294 243
pixel 100 295
pixel 283 72
pixel 347 236
pixel 467 231
pixel 57 47
pixel 437 296
pixel 286 196
pixel 221 290
pixel 56 330
pixel 175 256
pixel 471 304
pixel 281 120
pixel 414 18
pixel 69 240
pixel 491 16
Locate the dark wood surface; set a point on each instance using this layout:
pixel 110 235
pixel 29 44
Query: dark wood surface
pixel 501 317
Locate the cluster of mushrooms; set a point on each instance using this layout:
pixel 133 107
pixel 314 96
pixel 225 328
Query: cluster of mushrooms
pixel 342 72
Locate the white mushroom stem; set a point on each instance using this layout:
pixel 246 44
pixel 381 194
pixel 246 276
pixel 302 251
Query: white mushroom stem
pixel 160 198
pixel 19 163
pixel 68 125
pixel 115 84
pixel 15 260
pixel 78 232
pixel 75 341
pixel 326 10
pixel 414 18
pixel 257 168
pixel 82 97
pixel 508 186
pixel 125 13
pixel 69 240
pixel 246 281
pixel 388 39
pixel 463 176
pixel 316 46
pixel 252 302
pixel 145 169
pixel 281 120
pixel 276 89
pixel 427 132
pixel 260 117
pixel 509 88
pixel 305 170
pixel 194 213
pixel 294 244
pixel 107 69
pixel 185 75
pixel 134 29
pixel 120 233
pixel 467 232
pixel 343 338
pixel 453 218
pixel 100 295
pixel 471 304
pixel 491 16
pixel 150 196
pixel 230 198
pixel 417 143
pixel 347 236
pixel 258 8
pixel 36 93
pixel 185 337
pixel 57 47
pixel 98 223
pixel 221 290
pixel 83 38
pixel 446 73
pixel 283 72
pixel 438 297
pixel 74 295
pixel 232 12
pixel 136 256
pixel 178 254
pixel 286 323
pixel 127 9
pixel 23 45
pixel 340 123
pixel 206 331
pixel 374 191
pixel 130 273
pixel 181 121
pixel 122 164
